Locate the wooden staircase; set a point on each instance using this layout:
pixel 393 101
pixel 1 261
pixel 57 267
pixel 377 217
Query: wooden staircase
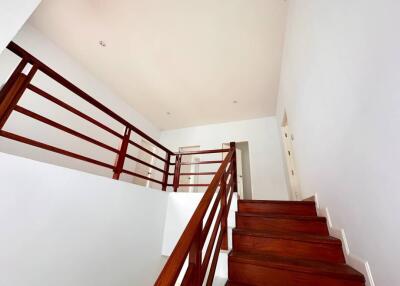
pixel 285 243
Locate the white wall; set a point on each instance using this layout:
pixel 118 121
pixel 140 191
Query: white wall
pixel 266 164
pixel 33 41
pixel 181 207
pixel 13 14
pixel 66 227
pixel 340 87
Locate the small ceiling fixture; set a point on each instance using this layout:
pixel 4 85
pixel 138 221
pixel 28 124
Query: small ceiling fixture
pixel 235 101
pixel 102 44
pixel 168 113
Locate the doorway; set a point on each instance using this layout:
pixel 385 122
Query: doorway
pixel 287 138
pixel 189 179
pixel 243 169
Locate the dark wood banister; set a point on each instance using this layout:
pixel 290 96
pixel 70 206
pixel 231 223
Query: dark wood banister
pixel 193 237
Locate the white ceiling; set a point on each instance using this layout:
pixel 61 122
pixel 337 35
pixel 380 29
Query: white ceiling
pixel 191 58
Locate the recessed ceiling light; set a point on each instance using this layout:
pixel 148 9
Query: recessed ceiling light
pixel 235 101
pixel 168 113
pixel 102 44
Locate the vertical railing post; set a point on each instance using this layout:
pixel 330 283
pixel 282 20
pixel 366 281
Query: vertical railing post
pixel 13 90
pixel 195 257
pixel 166 172
pixel 224 209
pixel 11 80
pixel 119 162
pixel 234 168
pixel 177 173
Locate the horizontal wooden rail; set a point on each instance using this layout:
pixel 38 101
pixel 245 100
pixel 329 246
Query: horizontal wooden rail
pixel 141 176
pixel 199 174
pixel 73 110
pixel 202 152
pixel 63 128
pixel 41 145
pixel 146 150
pixel 144 163
pixel 202 162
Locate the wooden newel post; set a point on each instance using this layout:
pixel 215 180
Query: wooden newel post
pixel 234 168
pixel 177 173
pixel 13 90
pixel 166 172
pixel 119 162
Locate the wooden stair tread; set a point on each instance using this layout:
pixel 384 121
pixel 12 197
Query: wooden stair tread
pixel 232 283
pixel 288 236
pixel 282 216
pixel 341 271
pixel 278 202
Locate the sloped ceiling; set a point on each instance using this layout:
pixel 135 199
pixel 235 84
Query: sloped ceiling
pixel 178 62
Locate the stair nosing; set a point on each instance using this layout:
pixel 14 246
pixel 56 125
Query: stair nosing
pixel 281 216
pixel 288 235
pixel 252 259
pixel 277 202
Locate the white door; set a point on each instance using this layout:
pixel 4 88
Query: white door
pixel 189 179
pixel 239 168
pixel 292 173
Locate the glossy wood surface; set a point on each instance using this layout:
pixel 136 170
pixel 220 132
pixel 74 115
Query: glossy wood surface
pixel 283 243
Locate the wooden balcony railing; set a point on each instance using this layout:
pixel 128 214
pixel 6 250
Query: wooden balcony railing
pixel 20 81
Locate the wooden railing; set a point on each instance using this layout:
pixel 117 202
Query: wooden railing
pixel 197 245
pixel 212 211
pixel 19 82
pixel 169 163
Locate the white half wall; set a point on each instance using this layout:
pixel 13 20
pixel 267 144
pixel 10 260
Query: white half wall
pixel 340 88
pixel 13 15
pixel 37 44
pixel 266 164
pixel 65 227
pixel 181 207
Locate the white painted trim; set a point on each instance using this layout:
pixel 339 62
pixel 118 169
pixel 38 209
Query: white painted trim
pixel 351 259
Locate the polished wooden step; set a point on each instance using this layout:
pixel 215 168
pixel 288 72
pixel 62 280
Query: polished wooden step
pixel 304 208
pixel 262 270
pixel 288 244
pixel 274 222
pixel 230 283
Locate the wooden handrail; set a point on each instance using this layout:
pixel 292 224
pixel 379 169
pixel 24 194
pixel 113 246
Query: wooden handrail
pixel 192 239
pixel 18 83
pixel 203 152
